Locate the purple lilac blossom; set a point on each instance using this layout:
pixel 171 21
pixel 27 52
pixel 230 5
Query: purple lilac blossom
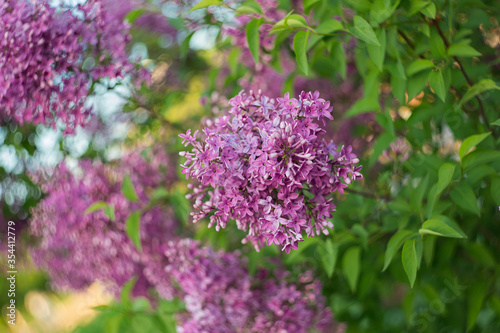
pixel 76 248
pixel 51 56
pixel 220 295
pixel 266 165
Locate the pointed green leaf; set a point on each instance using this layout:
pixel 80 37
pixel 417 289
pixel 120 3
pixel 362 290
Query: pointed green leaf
pixel 133 229
pixel 253 38
pixel 439 228
pixel 128 189
pixel 436 82
pixel 436 45
pixel 364 31
pixel 496 122
pixel 429 11
pixel 248 7
pixel 329 257
pixel 109 210
pixel 363 105
pixel 475 298
pixel 95 207
pixel 462 50
pixel 377 53
pixel 410 260
pixel 127 290
pixel 132 16
pixel 417 83
pixel 480 157
pixel 299 47
pixel 205 4
pixel 381 144
pixel 394 244
pixel 418 66
pixel 351 266
pixel 495 190
pixel 445 174
pixel 464 197
pixel 471 142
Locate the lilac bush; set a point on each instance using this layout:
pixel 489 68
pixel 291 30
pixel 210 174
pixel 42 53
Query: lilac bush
pixel 77 248
pixel 50 57
pixel 266 165
pixel 220 295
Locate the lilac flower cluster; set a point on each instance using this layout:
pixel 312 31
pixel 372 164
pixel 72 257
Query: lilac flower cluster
pixel 266 166
pixel 76 248
pixel 51 56
pixel 220 295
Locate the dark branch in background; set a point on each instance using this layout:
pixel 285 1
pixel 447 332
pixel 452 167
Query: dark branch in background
pixel 435 22
pixel 408 41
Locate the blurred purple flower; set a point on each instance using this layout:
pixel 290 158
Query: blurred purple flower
pixel 77 248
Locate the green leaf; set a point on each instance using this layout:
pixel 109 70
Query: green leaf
pixel 128 189
pixel 417 83
pixel 471 142
pixel 496 122
pixel 133 229
pixel 338 60
pixel 205 4
pixel 436 82
pixel 109 210
pixel 296 21
pixel 293 21
pixel 429 11
pixel 398 87
pixel 248 7
pixel 417 195
pixel 309 4
pixel 394 244
pixel 416 6
pixel 95 207
pixel 362 30
pixel 495 190
pixel 381 144
pixel 126 291
pixel 329 26
pixel 326 27
pixel 377 53
pixel 478 88
pixel 410 260
pixel 445 174
pixel 299 47
pixel 253 38
pixel 184 49
pixel 429 245
pixel 436 45
pixel 480 157
pixel 462 50
pixel 475 298
pixel 439 228
pixel 464 197
pixel 329 257
pixel 418 66
pixel 381 10
pixel 132 16
pixel 363 105
pixel 351 266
